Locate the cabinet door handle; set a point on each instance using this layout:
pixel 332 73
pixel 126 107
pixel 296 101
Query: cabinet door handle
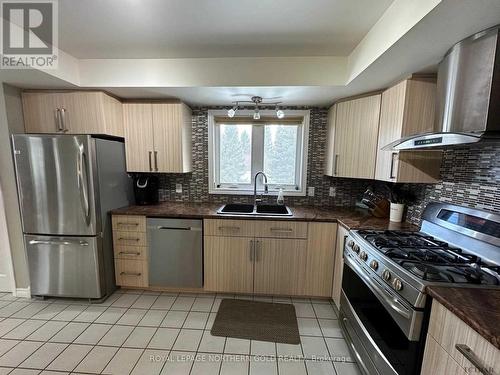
pixel 59 126
pixel 131 253
pixel 130 274
pixel 335 164
pixel 473 358
pixel 252 250
pixel 156 161
pixel 128 239
pixel 282 230
pixel 63 120
pixel 229 228
pixel 257 251
pixel 150 162
pixel 127 224
pixel 391 174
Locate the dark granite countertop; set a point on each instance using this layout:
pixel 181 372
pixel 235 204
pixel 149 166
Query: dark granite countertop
pixel 479 308
pixel 350 218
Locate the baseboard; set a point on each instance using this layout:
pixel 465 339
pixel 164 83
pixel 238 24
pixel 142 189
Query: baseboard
pixel 22 292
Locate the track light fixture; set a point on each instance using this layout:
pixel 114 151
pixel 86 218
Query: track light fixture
pixel 256 101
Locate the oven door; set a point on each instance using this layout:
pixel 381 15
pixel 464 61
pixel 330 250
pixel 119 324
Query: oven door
pixel 384 332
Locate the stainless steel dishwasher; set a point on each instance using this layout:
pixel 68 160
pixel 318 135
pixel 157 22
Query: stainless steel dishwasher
pixel 175 252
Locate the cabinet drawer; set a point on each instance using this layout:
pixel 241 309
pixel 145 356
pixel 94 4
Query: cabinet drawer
pixel 281 229
pixel 130 252
pixel 449 330
pixel 229 228
pixel 129 223
pixel 131 272
pixel 129 238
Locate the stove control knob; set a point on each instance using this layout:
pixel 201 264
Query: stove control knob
pixel 386 275
pixel 363 256
pixel 355 248
pixel 374 264
pixel 397 284
pixel 350 244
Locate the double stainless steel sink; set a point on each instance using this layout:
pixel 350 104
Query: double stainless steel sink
pixel 259 209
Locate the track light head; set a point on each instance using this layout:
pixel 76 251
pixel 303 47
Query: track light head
pixel 279 113
pixel 231 112
pixel 256 114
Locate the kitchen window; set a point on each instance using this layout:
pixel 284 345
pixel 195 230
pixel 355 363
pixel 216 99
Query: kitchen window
pixel 239 147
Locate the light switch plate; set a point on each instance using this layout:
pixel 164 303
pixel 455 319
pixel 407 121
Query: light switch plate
pixel 178 188
pixel 333 191
pixel 310 191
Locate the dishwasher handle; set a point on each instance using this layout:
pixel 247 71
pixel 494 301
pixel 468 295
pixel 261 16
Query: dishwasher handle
pixel 193 229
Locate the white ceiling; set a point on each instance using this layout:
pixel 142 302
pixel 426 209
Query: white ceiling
pixel 214 28
pixel 309 82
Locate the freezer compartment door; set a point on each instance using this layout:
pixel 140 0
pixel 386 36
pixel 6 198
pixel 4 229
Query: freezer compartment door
pixel 65 266
pixel 55 175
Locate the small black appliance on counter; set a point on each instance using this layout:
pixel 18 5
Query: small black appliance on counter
pixel 146 190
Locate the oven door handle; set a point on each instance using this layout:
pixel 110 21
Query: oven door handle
pixel 393 303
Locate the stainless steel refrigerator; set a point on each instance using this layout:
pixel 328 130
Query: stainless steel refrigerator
pixel 67 185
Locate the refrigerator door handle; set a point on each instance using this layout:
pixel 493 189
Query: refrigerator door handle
pixel 83 183
pixel 58 242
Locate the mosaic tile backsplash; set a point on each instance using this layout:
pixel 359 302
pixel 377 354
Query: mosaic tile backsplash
pixel 470 176
pixel 195 184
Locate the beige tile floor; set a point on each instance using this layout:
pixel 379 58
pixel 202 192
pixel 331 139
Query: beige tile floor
pixel 142 332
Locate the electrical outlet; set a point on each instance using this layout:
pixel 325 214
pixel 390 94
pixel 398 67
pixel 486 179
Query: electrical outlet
pixel 310 191
pixel 333 191
pixel 178 188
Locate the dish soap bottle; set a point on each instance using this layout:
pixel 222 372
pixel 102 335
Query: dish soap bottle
pixel 281 198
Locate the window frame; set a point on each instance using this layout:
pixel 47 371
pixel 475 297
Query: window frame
pixel 258 154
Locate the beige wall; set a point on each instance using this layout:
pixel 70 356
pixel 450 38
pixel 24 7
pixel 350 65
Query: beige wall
pixel 11 121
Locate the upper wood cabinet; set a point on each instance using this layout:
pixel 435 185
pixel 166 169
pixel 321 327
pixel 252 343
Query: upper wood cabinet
pixel 330 160
pixel 158 137
pixel 78 112
pixel 407 109
pixel 353 131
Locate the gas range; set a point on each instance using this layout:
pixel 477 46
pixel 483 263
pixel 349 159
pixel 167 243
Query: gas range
pixel 455 245
pixel 384 307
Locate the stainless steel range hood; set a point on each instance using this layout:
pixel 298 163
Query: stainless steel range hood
pixel 468 95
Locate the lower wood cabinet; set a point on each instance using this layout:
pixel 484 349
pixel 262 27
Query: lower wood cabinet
pixel 228 264
pixel 243 256
pixel 279 266
pixel 320 259
pixel 446 333
pixel 338 267
pixel 130 251
pixel 437 361
pixel 271 257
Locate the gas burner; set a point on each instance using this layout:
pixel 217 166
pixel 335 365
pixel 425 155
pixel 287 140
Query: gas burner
pixel 461 274
pixel 426 272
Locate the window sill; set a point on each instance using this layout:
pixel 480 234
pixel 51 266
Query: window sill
pixel 286 193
